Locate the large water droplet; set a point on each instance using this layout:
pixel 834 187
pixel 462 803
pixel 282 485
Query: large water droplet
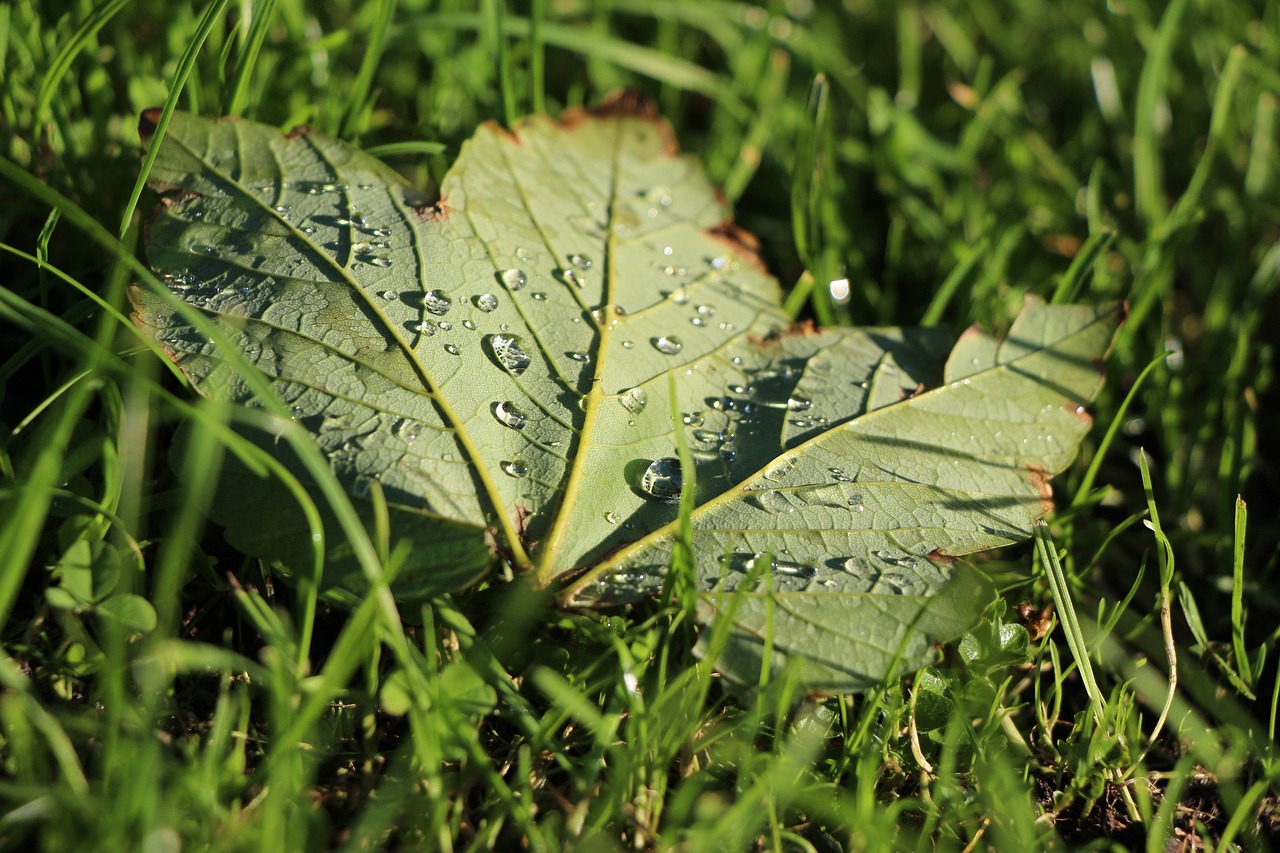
pixel 509 352
pixel 667 344
pixel 662 480
pixel 580 357
pixel 794 570
pixel 509 415
pixel 437 302
pixel 451 349
pixel 582 262
pixel 408 429
pixel 693 419
pixel 515 468
pixel 634 400
pixel 797 403
pixel 771 501
pixel 487 302
pixel 513 279
pixel 708 436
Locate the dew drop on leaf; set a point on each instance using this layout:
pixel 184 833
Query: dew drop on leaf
pixel 513 279
pixel 794 570
pixel 668 344
pixel 509 352
pixel 796 403
pixel 515 468
pixel 540 297
pixel 662 480
pixel 582 262
pixel 571 277
pixel 451 349
pixel 634 400
pixel 509 415
pixel 408 429
pixel 487 302
pixel 437 302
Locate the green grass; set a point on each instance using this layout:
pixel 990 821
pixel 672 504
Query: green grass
pixel 160 689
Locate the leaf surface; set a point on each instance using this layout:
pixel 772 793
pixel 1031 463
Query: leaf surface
pixel 511 362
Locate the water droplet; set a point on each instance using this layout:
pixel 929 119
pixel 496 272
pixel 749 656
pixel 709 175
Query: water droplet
pixel 390 295
pixel 380 262
pixel 628 344
pixel 445 326
pixel 515 468
pixel 580 357
pixel 283 208
pixel 309 229
pixel 612 517
pixel 698 321
pixel 693 419
pixel 662 480
pixel 667 344
pixel 487 302
pixel 729 451
pixel 437 302
pixel 570 277
pixel 451 349
pixel 779 469
pixel 408 429
pixel 634 400
pixel 894 559
pixel 540 297
pixel 708 436
pixel 426 327
pixel 509 352
pixel 794 570
pixel 509 415
pixel 705 311
pixel 469 325
pixel 856 566
pixel 797 403
pixel 524 254
pixel 513 279
pixel 771 501
pixel 582 262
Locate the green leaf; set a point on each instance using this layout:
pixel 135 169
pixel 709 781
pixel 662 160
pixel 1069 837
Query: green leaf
pixel 512 361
